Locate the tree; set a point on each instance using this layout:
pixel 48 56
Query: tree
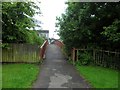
pixel 16 18
pixel 113 31
pixel 89 24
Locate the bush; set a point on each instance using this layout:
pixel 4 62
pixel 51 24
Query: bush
pixel 33 38
pixel 84 58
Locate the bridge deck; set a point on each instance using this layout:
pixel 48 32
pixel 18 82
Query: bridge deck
pixel 55 72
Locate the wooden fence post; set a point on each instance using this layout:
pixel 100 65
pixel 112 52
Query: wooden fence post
pixel 107 64
pixel 73 55
pixel 77 55
pixel 93 55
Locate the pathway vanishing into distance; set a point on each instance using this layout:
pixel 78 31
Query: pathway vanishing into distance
pixel 56 72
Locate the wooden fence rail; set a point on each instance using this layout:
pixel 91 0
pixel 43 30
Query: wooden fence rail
pixel 99 57
pixel 21 53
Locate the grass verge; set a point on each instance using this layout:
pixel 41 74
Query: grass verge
pixel 19 75
pixel 99 77
pixel 0 76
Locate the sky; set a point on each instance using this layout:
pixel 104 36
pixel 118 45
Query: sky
pixel 50 9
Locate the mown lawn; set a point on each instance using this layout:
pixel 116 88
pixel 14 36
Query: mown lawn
pixel 19 75
pixel 0 76
pixel 99 77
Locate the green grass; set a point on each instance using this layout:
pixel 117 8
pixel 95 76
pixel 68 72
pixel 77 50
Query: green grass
pixel 99 77
pixel 0 76
pixel 19 75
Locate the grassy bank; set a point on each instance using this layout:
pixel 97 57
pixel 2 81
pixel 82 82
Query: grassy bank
pixel 99 77
pixel 19 75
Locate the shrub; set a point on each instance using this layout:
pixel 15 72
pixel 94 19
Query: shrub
pixel 84 58
pixel 33 38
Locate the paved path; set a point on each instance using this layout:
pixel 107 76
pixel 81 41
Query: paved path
pixel 55 72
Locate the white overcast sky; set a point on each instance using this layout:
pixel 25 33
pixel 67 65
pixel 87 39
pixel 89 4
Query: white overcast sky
pixel 50 9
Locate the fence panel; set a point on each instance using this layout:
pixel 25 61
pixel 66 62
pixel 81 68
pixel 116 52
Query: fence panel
pixel 107 58
pixel 100 57
pixel 21 53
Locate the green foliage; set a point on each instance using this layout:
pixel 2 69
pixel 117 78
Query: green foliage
pixel 70 61
pixel 112 31
pixel 82 24
pixel 33 38
pixel 17 18
pixel 5 46
pixel 84 58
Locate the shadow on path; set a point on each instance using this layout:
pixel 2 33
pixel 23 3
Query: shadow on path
pixel 56 72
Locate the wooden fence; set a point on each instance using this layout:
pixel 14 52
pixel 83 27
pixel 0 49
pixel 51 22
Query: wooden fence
pixel 21 53
pixel 99 57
